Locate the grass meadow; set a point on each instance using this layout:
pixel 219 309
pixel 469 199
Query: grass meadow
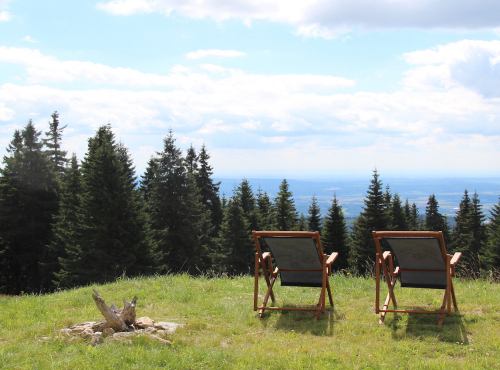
pixel 223 332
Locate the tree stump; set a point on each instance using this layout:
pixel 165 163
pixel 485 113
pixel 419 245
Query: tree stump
pixel 117 319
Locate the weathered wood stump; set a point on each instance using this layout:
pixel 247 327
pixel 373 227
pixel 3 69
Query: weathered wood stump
pixel 115 318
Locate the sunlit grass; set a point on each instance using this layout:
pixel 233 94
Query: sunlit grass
pixel 222 331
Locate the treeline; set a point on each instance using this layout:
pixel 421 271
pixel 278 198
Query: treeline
pixel 66 223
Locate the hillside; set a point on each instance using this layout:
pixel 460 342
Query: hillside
pixel 222 330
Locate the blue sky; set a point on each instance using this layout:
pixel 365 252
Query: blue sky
pixel 270 87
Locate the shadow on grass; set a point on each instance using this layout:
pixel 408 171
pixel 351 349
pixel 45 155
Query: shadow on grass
pixel 422 326
pixel 303 321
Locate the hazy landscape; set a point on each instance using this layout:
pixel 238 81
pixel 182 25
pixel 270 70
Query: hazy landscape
pixel 352 191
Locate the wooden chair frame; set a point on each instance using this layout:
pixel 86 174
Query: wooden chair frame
pixel 271 274
pixel 391 274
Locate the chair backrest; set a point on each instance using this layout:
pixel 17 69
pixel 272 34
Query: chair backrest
pixel 421 257
pixel 297 255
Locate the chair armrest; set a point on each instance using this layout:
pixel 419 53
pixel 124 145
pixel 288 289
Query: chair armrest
pixel 332 258
pixel 455 258
pixel 266 255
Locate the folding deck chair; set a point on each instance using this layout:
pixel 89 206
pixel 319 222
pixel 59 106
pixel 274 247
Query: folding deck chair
pixel 422 263
pixel 299 261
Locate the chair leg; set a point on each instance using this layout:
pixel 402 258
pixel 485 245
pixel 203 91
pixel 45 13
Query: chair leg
pixel 453 296
pixel 329 292
pixel 266 297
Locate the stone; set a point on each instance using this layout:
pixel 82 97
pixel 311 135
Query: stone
pixel 144 322
pixel 170 327
pixel 107 332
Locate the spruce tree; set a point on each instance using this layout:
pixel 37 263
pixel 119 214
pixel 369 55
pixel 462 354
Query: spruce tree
pixel 415 223
pixel 286 214
pixel 209 190
pixel 314 219
pixel 191 160
pixel 236 248
pixel 247 202
pixel 335 237
pixel 435 221
pixel 111 237
pixel 302 223
pixel 265 211
pixel 53 143
pixel 491 255
pixel 27 204
pixel 398 219
pixel 374 217
pixel 178 216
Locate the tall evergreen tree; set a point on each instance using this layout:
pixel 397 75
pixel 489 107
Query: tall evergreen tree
pixel 374 217
pixel 335 237
pixel 302 223
pixel 284 205
pixel 314 219
pixel 27 203
pixel 111 237
pixel 209 190
pixel 398 219
pixel 236 248
pixel 191 160
pixel 66 220
pixel 178 217
pixel 491 255
pixel 265 211
pixel 247 202
pixel 53 143
pixel 435 221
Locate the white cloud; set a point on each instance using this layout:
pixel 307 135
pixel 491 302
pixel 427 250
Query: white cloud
pixel 28 38
pixel 5 16
pixel 328 19
pixel 471 64
pixel 215 53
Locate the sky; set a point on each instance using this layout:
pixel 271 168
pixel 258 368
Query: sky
pixel 271 87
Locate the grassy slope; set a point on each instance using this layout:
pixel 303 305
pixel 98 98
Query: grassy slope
pixel 222 330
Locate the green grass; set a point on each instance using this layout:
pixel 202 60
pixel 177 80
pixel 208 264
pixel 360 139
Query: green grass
pixel 223 332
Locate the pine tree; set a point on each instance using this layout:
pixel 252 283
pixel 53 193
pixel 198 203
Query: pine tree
pixel 209 190
pixel 284 205
pixel 435 221
pixel 398 219
pixel 491 255
pixel 236 248
pixel 65 221
pixel 191 160
pixel 265 211
pixel 111 237
pixel 53 143
pixel 314 219
pixel 178 216
pixel 335 237
pixel 302 223
pixel 247 202
pixel 27 203
pixel 372 218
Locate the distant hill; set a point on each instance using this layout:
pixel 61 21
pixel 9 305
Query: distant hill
pixel 351 192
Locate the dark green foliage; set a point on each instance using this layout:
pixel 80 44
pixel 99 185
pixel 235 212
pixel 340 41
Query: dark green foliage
pixel 302 223
pixel 469 234
pixel 191 160
pixel 247 202
pixel 435 221
pixel 179 219
pixel 491 256
pixel 56 156
pixel 208 189
pixel 284 205
pixel 236 248
pixel 335 237
pixel 65 221
pixel 111 237
pixel 27 203
pixel 265 211
pixel 412 216
pixel 314 219
pixel 398 219
pixel 374 217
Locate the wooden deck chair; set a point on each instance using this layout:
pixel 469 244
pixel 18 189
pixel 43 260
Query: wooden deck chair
pixel 422 263
pixel 299 261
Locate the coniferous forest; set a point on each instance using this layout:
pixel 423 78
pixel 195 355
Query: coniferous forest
pixel 67 222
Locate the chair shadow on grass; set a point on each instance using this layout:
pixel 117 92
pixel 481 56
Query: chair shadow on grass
pixel 303 321
pixel 421 326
